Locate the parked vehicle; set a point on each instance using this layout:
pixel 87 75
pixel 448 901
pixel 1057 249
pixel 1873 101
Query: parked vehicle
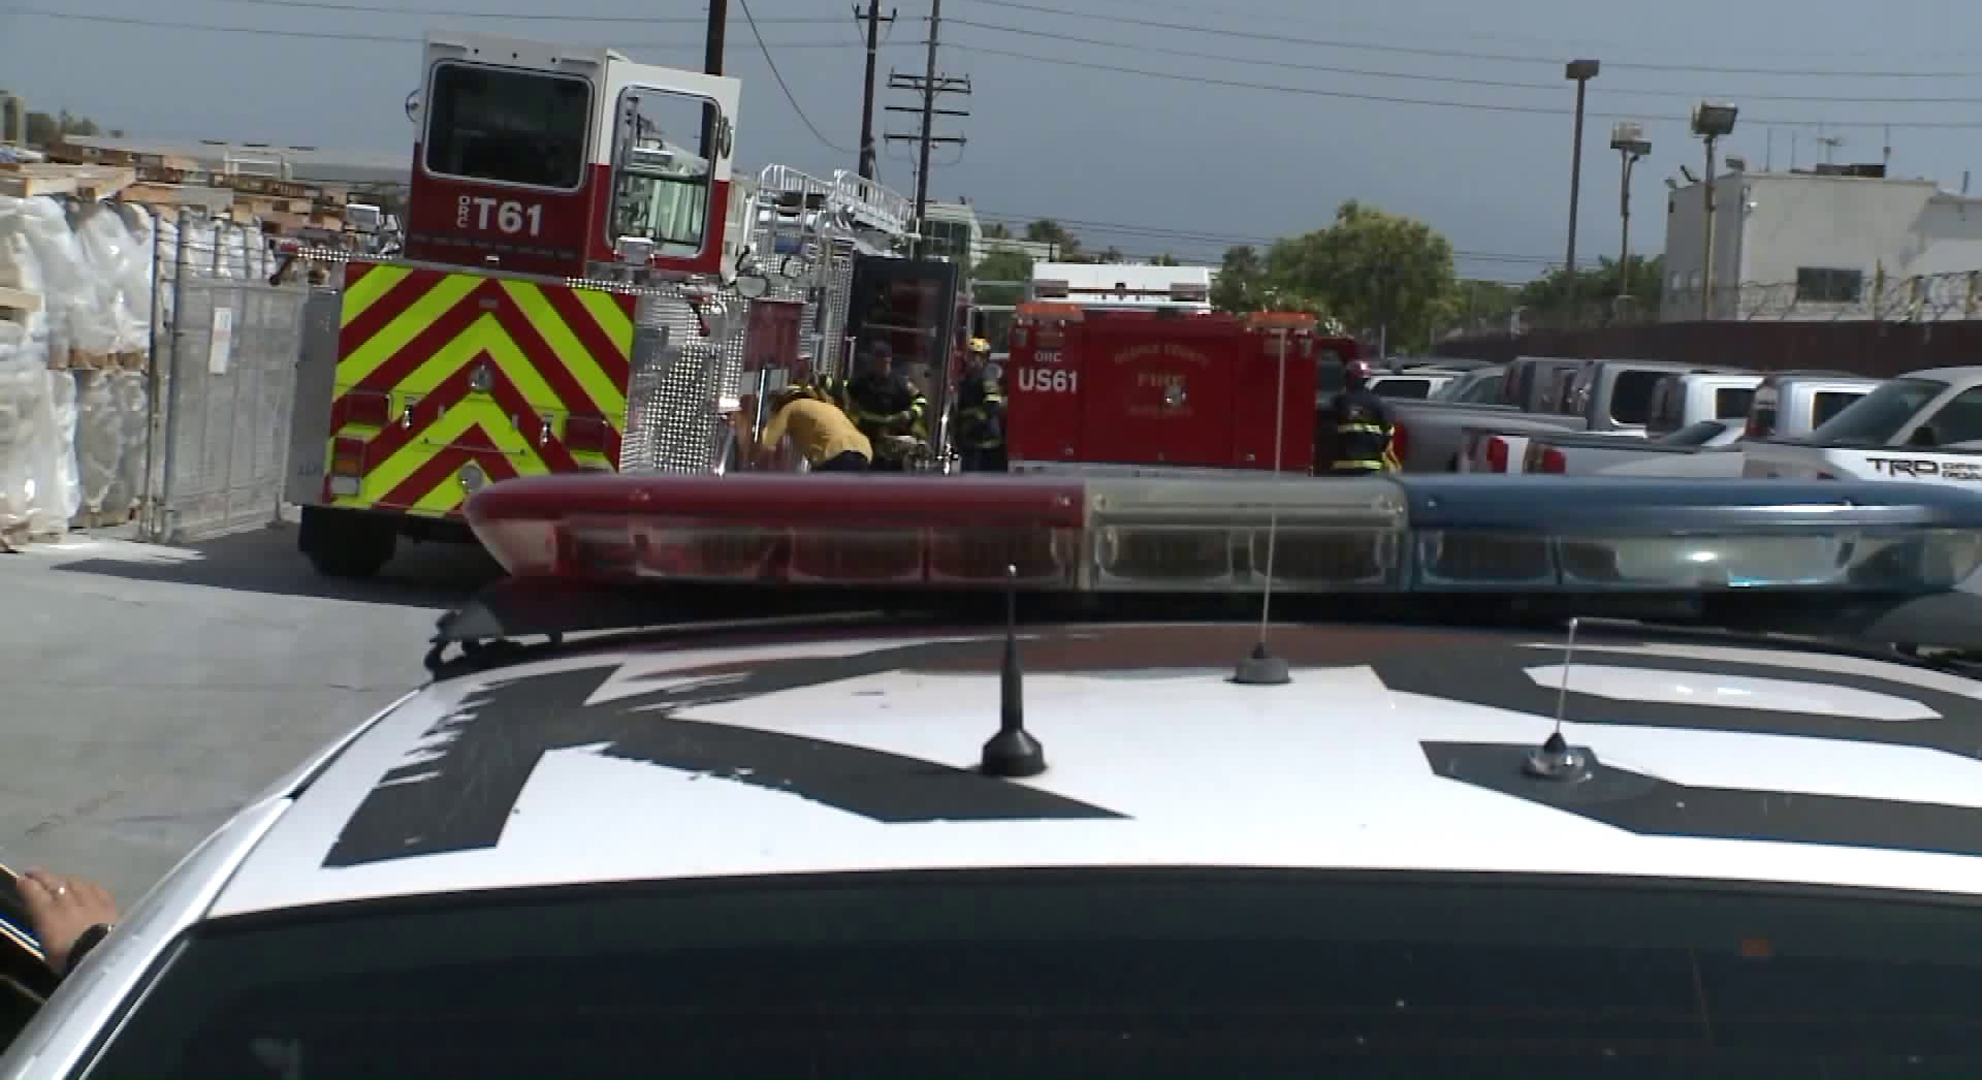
pixel 1924 426
pixel 1416 385
pixel 1612 399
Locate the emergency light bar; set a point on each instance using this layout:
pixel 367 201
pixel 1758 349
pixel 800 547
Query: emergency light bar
pixel 1433 534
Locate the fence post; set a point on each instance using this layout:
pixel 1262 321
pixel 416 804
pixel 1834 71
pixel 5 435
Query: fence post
pixel 163 531
pixel 154 380
pixel 1968 306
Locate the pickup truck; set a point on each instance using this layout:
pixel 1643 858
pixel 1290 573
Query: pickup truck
pixel 1613 399
pixel 1687 411
pixel 1924 426
pixel 1429 434
pixel 1791 405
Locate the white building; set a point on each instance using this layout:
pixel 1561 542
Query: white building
pixel 1827 244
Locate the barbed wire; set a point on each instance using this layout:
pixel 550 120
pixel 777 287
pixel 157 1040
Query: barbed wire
pixel 1954 296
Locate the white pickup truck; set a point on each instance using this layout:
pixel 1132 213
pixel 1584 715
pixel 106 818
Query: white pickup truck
pixel 1783 404
pixel 1923 426
pixel 1618 400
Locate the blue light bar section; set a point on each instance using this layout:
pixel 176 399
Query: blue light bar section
pixel 1555 505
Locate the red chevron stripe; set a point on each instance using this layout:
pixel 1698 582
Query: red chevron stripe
pixel 385 309
pixel 590 334
pixel 355 271
pixel 451 392
pixel 443 467
pixel 425 345
pixel 570 392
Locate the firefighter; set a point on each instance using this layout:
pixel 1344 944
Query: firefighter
pixel 1357 425
pixel 825 436
pixel 981 412
pixel 887 408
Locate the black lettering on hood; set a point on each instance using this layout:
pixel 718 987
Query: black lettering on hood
pixel 460 798
pixel 1649 806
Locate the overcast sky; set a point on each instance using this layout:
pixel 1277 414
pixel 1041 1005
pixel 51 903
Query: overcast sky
pixel 1188 163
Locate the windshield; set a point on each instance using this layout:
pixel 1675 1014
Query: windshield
pixel 508 127
pixel 1117 973
pixel 1877 418
pixel 1699 434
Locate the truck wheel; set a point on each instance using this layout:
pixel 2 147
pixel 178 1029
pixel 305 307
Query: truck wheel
pixel 346 543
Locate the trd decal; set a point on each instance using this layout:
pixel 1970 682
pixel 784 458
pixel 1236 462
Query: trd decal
pixel 459 798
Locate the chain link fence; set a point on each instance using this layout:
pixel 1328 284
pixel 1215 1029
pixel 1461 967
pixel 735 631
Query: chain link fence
pixel 224 351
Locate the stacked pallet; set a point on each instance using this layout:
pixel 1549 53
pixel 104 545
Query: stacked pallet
pixel 282 207
pixel 95 182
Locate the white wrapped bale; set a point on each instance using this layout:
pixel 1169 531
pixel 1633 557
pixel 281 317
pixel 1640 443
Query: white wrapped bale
pixel 99 439
pixel 120 272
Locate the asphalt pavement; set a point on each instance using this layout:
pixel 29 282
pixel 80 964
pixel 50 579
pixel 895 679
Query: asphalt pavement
pixel 146 692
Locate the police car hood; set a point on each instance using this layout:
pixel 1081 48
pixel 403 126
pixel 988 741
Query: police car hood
pixel 1393 748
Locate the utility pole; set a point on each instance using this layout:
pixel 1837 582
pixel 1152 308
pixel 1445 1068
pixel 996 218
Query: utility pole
pixel 874 19
pixel 712 64
pixel 1580 72
pixel 928 85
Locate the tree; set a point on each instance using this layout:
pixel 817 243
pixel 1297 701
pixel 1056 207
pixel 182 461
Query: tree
pixel 1592 289
pixel 997 230
pixel 45 130
pixel 1165 259
pixel 1241 283
pixel 1048 231
pixel 1480 305
pixel 1001 277
pixel 1382 274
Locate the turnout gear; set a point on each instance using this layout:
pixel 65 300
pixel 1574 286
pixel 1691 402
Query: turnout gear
pixel 880 404
pixel 1357 425
pixel 981 422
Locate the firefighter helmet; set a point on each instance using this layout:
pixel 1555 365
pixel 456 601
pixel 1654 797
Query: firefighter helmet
pixel 980 345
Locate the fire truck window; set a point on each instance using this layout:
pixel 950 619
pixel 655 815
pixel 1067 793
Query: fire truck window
pixel 508 127
pixel 661 191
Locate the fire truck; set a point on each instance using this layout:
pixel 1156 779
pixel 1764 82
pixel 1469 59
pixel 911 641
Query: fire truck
pixel 1093 389
pixel 583 287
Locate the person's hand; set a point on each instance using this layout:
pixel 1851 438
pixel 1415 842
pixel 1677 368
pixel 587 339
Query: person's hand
pixel 60 909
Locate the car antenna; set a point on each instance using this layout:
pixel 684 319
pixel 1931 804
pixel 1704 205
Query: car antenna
pixel 1557 760
pixel 1012 752
pixel 1262 668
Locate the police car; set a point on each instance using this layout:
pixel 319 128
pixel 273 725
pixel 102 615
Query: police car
pixel 1035 777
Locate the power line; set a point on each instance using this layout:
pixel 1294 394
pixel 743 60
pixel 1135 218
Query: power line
pixel 779 75
pixel 456 13
pixel 1185 236
pixel 1551 87
pixel 1465 54
pixel 337 35
pixel 1481 106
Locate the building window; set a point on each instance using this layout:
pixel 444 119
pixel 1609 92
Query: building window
pixel 1820 286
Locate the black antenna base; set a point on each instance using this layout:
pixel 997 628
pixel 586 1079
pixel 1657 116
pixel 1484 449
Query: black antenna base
pixel 1013 753
pixel 1557 760
pixel 1262 668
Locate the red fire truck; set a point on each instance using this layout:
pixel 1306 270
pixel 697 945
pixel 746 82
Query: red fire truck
pixel 576 294
pixel 1163 391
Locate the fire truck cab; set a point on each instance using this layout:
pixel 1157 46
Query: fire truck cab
pixel 1163 391
pixel 576 294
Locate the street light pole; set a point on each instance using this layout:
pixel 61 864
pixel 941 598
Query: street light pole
pixel 1629 141
pixel 1710 123
pixel 1580 72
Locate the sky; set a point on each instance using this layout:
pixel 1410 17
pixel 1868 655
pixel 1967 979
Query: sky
pixel 1155 126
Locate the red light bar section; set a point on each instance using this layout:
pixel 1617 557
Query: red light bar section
pixel 784 527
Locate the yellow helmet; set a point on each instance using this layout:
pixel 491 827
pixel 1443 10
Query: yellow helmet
pixel 979 345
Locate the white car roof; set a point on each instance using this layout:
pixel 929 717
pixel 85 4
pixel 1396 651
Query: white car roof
pixel 1394 748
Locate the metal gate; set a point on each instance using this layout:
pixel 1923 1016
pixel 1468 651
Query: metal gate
pixel 224 355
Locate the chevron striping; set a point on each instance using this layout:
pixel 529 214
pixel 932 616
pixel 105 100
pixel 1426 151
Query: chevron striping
pixel 362 359
pixel 590 370
pixel 372 286
pixel 434 487
pixel 390 474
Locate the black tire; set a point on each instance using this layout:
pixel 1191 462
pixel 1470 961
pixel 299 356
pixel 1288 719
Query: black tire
pixel 346 543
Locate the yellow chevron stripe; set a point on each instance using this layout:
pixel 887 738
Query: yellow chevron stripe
pixel 377 281
pixel 605 392
pixel 400 332
pixel 611 319
pixel 397 469
pixel 487 335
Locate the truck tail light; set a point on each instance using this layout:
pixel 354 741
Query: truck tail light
pixel 1553 461
pixel 1497 454
pixel 1400 441
pixel 347 458
pixel 368 408
pixel 587 434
